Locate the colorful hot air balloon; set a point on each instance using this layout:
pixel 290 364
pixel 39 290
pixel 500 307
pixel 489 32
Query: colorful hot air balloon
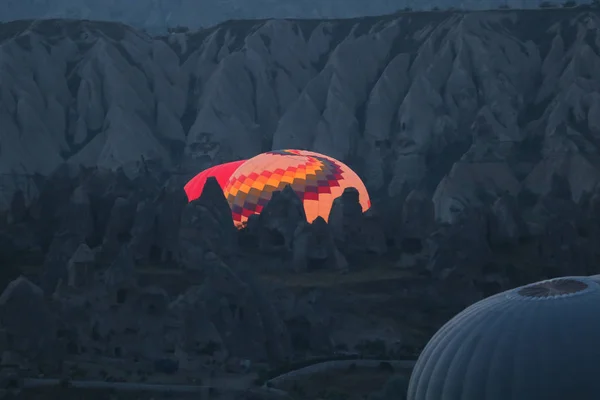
pixel 221 172
pixel 538 341
pixel 317 179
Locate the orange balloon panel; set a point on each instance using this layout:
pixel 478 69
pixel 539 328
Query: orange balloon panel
pixel 316 178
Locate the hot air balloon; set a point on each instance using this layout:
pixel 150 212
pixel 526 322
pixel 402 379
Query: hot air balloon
pixel 539 341
pixel 221 172
pixel 316 178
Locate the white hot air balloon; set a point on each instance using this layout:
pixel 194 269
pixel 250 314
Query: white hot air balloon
pixel 540 341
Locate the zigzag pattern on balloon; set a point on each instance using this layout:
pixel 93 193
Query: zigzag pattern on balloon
pixel 316 178
pixel 248 185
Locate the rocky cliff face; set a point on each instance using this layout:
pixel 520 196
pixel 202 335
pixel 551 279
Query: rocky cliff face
pixel 463 106
pixel 477 135
pixel 158 15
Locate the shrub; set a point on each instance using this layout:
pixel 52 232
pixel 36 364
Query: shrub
pixel 395 388
pixel 372 347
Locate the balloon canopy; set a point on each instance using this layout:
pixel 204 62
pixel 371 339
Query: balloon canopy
pixel 248 185
pixel 538 341
pixel 316 178
pixel 222 173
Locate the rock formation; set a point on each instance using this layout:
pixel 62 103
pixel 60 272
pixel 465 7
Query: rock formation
pixel 176 16
pixel 427 121
pixel 477 142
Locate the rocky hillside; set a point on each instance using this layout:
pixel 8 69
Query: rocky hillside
pixel 158 15
pixel 476 133
pixel 463 106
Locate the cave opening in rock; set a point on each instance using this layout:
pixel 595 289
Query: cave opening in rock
pixel 154 253
pixel 316 264
pixel 95 334
pixel 123 237
pixel 412 245
pixel 275 238
pixel 12 383
pixel 390 242
pixel 300 331
pixel 121 296
pixel 72 348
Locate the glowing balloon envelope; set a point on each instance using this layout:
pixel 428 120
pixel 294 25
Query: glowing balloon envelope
pixel 316 178
pixel 538 341
pixel 221 172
